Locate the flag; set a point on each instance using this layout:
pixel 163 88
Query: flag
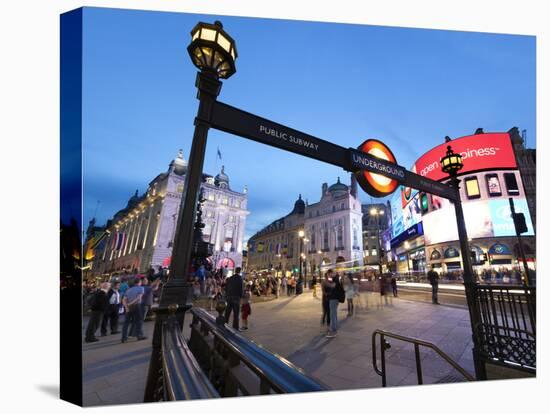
pixel 285 249
pixel 278 248
pixel 260 247
pixel 219 154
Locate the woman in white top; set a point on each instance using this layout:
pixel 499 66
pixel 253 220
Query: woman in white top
pixel 351 290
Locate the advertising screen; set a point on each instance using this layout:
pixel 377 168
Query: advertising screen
pixel 405 210
pixel 487 218
pixel 440 225
pixel 479 152
pixel 501 216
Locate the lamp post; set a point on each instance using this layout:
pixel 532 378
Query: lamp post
pixel 320 253
pixel 301 235
pixel 377 214
pixel 451 164
pixel 213 52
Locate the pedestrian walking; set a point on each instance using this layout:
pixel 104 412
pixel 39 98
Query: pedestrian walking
pixel 201 274
pixel 351 291
pixel 326 287
pixel 383 290
pixel 246 309
pixel 110 317
pixel 394 286
pixel 134 315
pixel 433 278
pixel 148 290
pixel 99 302
pixel 234 290
pixel 314 285
pixel 337 296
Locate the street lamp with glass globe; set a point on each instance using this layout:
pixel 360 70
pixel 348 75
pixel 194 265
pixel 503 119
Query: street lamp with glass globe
pixel 214 53
pixel 378 213
pixel 451 164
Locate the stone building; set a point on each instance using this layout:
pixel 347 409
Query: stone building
pixel 376 218
pixel 332 234
pixel 141 235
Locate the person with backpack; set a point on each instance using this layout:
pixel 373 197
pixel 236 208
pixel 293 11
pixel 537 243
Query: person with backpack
pixel 337 296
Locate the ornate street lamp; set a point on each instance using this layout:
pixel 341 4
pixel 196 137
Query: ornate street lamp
pixel 376 213
pixel 301 235
pixel 213 52
pixel 451 164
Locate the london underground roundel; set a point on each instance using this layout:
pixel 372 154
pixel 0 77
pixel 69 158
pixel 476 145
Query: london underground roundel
pixel 375 184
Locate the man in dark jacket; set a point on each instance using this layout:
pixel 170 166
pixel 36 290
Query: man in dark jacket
pixel 233 293
pixel 111 313
pixel 98 305
pixel 433 278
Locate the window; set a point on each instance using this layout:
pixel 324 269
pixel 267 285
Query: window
pixel 179 188
pixel 472 187
pixel 493 185
pixel 207 229
pixel 511 183
pixel 209 214
pixel 211 196
pixel 342 206
pixel 225 201
pixel 325 239
pixel 373 252
pixel 366 253
pixel 333 209
pixel 231 219
pixel 237 203
pixel 229 232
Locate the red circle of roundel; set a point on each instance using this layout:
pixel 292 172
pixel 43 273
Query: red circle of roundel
pixel 375 184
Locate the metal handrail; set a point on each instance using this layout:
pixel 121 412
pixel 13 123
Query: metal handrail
pixel 279 373
pixel 183 377
pixel 417 343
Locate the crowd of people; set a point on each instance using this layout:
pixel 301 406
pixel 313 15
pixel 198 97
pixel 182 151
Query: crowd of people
pixel 127 294
pixel 132 295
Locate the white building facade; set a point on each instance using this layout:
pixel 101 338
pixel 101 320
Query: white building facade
pixel 142 234
pixel 332 234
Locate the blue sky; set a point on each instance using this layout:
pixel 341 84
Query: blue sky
pixel 342 83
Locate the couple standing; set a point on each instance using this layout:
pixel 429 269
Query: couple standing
pixel 333 294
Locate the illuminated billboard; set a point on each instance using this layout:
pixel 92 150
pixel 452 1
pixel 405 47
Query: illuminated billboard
pixel 487 218
pixel 491 151
pixel 405 210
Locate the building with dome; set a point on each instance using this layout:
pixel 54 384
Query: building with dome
pixel 141 235
pixel 332 234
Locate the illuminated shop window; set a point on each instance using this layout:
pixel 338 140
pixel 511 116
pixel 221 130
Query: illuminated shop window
pixel 472 187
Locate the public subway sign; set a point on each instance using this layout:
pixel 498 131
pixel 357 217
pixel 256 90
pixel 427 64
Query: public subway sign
pixel 373 163
pixel 235 121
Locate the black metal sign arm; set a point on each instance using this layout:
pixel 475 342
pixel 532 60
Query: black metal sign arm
pixel 238 122
pixel 235 121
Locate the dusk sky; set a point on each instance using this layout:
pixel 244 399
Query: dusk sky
pixel 342 83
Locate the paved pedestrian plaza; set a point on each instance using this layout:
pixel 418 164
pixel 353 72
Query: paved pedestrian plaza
pixel 115 373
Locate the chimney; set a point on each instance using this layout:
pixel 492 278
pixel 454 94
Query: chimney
pixel 324 189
